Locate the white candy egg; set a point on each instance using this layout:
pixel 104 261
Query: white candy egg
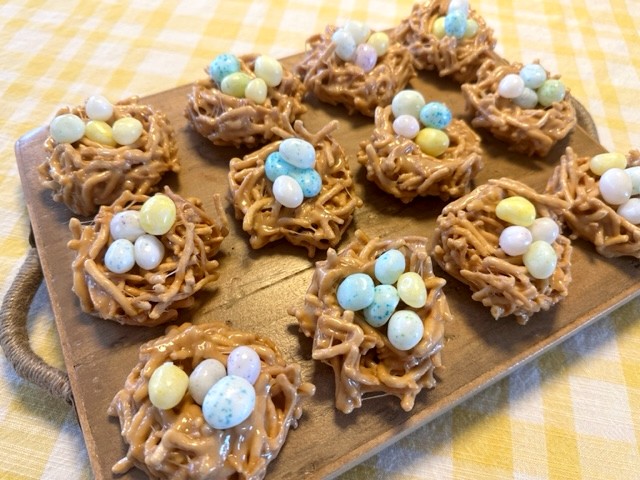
pixel 407 102
pixel 545 229
pixel 515 240
pixel 287 191
pixel 345 44
pixel 244 362
pixel 67 128
pixel 148 251
pixel 630 210
pixel 119 257
pixel 298 152
pixel 269 69
pixel 358 30
pixel 634 174
pixel 98 108
pixel 540 260
pixel 126 224
pixel 405 329
pixel 229 402
pixel 412 290
pixel 203 377
pixel 256 90
pixel 615 186
pixel 511 86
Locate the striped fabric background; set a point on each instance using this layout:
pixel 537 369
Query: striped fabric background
pixel 573 413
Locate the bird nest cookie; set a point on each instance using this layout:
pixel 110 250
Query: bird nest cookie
pixel 520 120
pixel 397 165
pixel 86 167
pixel 319 221
pixel 368 351
pixel 469 243
pixel 138 263
pixel 607 215
pixel 221 111
pixel 457 52
pixel 336 73
pixel 168 434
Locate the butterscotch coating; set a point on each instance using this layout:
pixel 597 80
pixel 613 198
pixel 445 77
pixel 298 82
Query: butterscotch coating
pixel 147 297
pixel 458 58
pixel 398 166
pixel 334 81
pixel 85 175
pixel 588 216
pixel 226 120
pixel 363 360
pixel 320 221
pixel 465 245
pixel 177 443
pixel 532 131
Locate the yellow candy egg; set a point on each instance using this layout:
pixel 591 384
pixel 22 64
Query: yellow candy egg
pixel 540 260
pixel 269 69
pixel 157 214
pixel 126 130
pixel 606 161
pixel 516 210
pixel 432 141
pixel 438 28
pixel 235 84
pixel 471 29
pixel 380 42
pixel 167 386
pixel 256 90
pixel 412 290
pixel 99 132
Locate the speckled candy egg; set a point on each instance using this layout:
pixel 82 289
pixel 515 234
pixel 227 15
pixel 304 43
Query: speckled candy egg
pixel 287 191
pixel 309 180
pixel 435 115
pixel 298 152
pixel 412 290
pixel 126 224
pixel 385 301
pixel 244 362
pixel 98 107
pixel 355 292
pixel 67 128
pixel 528 99
pixel 405 329
pixel 167 386
pixel 158 214
pixel 455 23
pixel 550 92
pixel 203 377
pixel 275 165
pixel 389 266
pixel 148 251
pixel 223 65
pixel 229 402
pixel 120 257
pixel 533 75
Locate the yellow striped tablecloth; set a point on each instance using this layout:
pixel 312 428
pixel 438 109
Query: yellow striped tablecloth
pixel 572 413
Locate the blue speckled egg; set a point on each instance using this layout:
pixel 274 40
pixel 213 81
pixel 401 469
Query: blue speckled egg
pixel 389 266
pixel 435 115
pixel 355 292
pixel 527 99
pixel 533 75
pixel 385 301
pixel 455 23
pixel 298 152
pixel 229 402
pixel 275 166
pixel 223 65
pixel 309 180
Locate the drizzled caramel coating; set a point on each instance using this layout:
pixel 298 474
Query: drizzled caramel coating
pixel 334 81
pixel 177 443
pixel 147 297
pixel 320 221
pixel 587 215
pixel 532 131
pixel 450 56
pixel 362 358
pixel 465 245
pixel 398 166
pixel 85 175
pixel 229 121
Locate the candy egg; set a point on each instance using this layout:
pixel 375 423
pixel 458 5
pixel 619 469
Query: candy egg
pixel 389 266
pixel 405 329
pixel 515 240
pixel 269 69
pixel 203 377
pixel 99 132
pixel 461 5
pixel 385 301
pixel 412 289
pixel 527 99
pixel 471 29
pixel 630 210
pixel 244 362
pixel 298 152
pixel 309 180
pixel 157 214
pixel 167 386
pixel 545 229
pixel 126 224
pixel 407 126
pixel 511 86
pixel 516 210
pixel 432 141
pixel 256 90
pixel 235 84
pixel 380 42
pixel 126 130
pixel 148 251
pixel 223 65
pixel 98 108
pixel 275 165
pixel 435 115
pixel 407 102
pixel 120 257
pixel 229 402
pixel 345 44
pixel 455 23
pixel 615 186
pixel 602 162
pixel 366 57
pixel 355 292
pixel 67 128
pixel 540 260
pixel 634 175
pixel 533 75
pixel 287 191
pixel 551 91
pixel 358 30
pixel 438 28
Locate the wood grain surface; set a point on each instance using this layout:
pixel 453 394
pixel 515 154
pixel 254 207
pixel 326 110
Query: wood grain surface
pixel 256 288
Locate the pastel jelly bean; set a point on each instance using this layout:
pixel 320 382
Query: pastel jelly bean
pixel 345 45
pixel 358 30
pixel 471 29
pixel 412 290
pixel 516 210
pixel 634 175
pixel 366 57
pixel 148 251
pixel 167 386
pixel 511 86
pixel 126 224
pixel 540 260
pixel 244 362
pixel 298 152
pixel 380 43
pixel 203 377
pixel 515 240
pixel 528 99
pixel 550 92
pixel 455 23
pixel 432 141
pixel 67 128
pixel 126 130
pixel 235 84
pixel 615 186
pixel 256 90
pixel 435 115
pixel 223 65
pixel 158 214
pixel 269 69
pixel 544 229
pixel 438 28
pixel 287 191
pixel 309 180
pixel 405 329
pixel 99 132
pixel 355 292
pixel 407 102
pixel 406 126
pixel 460 5
pixel 598 164
pixel 389 266
pixel 120 257
pixel 229 402
pixel 385 301
pixel 98 107
pixel 630 210
pixel 275 165
pixel 533 75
